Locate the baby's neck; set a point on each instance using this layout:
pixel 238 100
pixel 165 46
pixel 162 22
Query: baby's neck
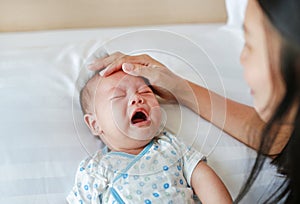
pixel 128 151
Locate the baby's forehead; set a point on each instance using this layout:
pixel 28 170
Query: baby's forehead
pixel 118 79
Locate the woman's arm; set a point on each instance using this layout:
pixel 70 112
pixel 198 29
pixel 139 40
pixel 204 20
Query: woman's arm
pixel 208 186
pixel 236 119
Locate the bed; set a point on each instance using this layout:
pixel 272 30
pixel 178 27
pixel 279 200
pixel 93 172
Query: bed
pixel 43 138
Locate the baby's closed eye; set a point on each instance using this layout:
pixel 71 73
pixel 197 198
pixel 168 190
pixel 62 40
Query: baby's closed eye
pixel 145 91
pixel 118 94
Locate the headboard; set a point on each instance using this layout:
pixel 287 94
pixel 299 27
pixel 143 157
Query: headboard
pixel 29 15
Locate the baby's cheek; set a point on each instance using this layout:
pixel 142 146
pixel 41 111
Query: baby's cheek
pixel 156 113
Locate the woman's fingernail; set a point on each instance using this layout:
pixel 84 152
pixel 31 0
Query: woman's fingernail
pixel 102 72
pixel 127 66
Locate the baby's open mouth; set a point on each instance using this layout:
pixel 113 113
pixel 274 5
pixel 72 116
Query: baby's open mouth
pixel 139 117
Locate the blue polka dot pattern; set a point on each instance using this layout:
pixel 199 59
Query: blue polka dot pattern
pixel 166 185
pixel 133 181
pixel 181 181
pixel 147 201
pixel 156 195
pixel 154 186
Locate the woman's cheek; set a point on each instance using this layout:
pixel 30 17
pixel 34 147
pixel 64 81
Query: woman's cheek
pixel 243 56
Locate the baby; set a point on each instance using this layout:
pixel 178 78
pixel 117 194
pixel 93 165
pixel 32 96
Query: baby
pixel 141 164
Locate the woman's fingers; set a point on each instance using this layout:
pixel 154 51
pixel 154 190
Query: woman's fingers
pixel 101 63
pixel 139 61
pixel 112 63
pixel 138 70
pixel 113 67
pixel 115 61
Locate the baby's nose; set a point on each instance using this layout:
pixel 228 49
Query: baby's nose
pixel 136 99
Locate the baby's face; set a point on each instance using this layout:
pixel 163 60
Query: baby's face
pixel 127 111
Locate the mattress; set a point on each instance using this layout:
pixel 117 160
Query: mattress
pixel 43 137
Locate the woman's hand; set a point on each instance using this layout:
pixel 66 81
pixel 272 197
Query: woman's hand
pixel 165 83
pixel 118 61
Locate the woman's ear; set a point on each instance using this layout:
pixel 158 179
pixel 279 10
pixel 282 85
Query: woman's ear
pixel 91 121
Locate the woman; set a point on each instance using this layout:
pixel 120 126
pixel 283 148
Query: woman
pixel 271 59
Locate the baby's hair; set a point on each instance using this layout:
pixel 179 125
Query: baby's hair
pixel 85 96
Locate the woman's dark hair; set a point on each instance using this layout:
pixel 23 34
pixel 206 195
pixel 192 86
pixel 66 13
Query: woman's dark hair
pixel 284 16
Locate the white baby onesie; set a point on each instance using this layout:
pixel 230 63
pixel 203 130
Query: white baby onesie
pixel 160 173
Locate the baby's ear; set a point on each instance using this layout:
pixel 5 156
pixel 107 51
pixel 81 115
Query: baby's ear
pixel 91 121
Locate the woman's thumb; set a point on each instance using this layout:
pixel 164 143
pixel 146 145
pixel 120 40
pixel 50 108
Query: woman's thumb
pixel 133 69
pixel 127 67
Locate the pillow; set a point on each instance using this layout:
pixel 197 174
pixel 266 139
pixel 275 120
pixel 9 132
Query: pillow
pixel 236 12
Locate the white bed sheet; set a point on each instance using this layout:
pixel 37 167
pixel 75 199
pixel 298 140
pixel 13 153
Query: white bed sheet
pixel 40 149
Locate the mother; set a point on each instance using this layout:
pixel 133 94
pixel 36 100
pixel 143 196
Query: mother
pixel 271 61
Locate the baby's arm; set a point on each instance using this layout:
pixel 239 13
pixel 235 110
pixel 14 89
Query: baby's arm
pixel 208 186
pixel 90 182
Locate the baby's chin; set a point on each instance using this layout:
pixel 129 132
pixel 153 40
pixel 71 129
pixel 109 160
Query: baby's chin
pixel 144 133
